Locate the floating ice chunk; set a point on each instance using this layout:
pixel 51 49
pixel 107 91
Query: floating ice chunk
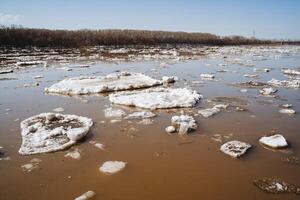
pixel 114 113
pixel 250 75
pixel 32 165
pixel 286 105
pixel 140 115
pixel 184 124
pixel 38 77
pixel 169 79
pixel 287 111
pixel 111 167
pixel 291 72
pixel 26 63
pixel 88 195
pixel 243 90
pixel 111 82
pixel 268 91
pixel 6 71
pixel 48 132
pixel 75 154
pixel 235 148
pixel 285 83
pixel 212 111
pixel 157 98
pixel 170 129
pixel 274 141
pixel 59 109
pixel 207 76
pixel 99 146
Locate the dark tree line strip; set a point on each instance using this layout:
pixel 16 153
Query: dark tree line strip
pixel 16 36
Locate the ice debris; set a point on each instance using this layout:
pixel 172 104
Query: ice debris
pixel 207 76
pixel 87 195
pixel 75 154
pixel 276 186
pixel 157 98
pixel 285 83
pixel 235 148
pixel 49 132
pixel 269 91
pixel 184 124
pixel 287 111
pixel 114 113
pixel 111 167
pixel 274 141
pixel 140 115
pixel 212 111
pixel 291 72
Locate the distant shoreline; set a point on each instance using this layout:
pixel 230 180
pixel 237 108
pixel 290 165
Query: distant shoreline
pixel 16 36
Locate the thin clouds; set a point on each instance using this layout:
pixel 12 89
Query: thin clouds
pixel 9 18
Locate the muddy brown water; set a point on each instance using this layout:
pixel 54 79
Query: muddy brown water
pixel 159 165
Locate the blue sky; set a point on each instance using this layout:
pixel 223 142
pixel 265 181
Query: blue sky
pixel 272 19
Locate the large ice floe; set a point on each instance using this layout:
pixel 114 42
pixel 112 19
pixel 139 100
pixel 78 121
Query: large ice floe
pixel 156 98
pixel 235 148
pixel 274 141
pixel 112 167
pixel 182 124
pixel 49 132
pixel 98 84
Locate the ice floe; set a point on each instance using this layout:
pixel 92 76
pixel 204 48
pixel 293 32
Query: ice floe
pixel 235 148
pixel 274 141
pixel 169 79
pixel 212 111
pixel 111 167
pixel 99 84
pixel 49 132
pixel 157 98
pixel 170 129
pixel 285 83
pixel 183 124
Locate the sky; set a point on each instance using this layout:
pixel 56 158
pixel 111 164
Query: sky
pixel 269 19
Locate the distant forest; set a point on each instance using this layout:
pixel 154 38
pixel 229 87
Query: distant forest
pixel 17 36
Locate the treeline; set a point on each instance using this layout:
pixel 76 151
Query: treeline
pixel 17 36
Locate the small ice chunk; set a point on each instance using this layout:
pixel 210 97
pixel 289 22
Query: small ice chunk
pixel 140 115
pixel 286 105
pixel 295 84
pixel 184 123
pixel 170 129
pixel 38 77
pixel 114 113
pixel 287 111
pixel 99 146
pixel 169 79
pixel 235 148
pixel 291 72
pixel 207 76
pixel 85 196
pixel 212 111
pixel 59 109
pixel 75 154
pixel 243 90
pixel 111 167
pixel 268 91
pixel 274 141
